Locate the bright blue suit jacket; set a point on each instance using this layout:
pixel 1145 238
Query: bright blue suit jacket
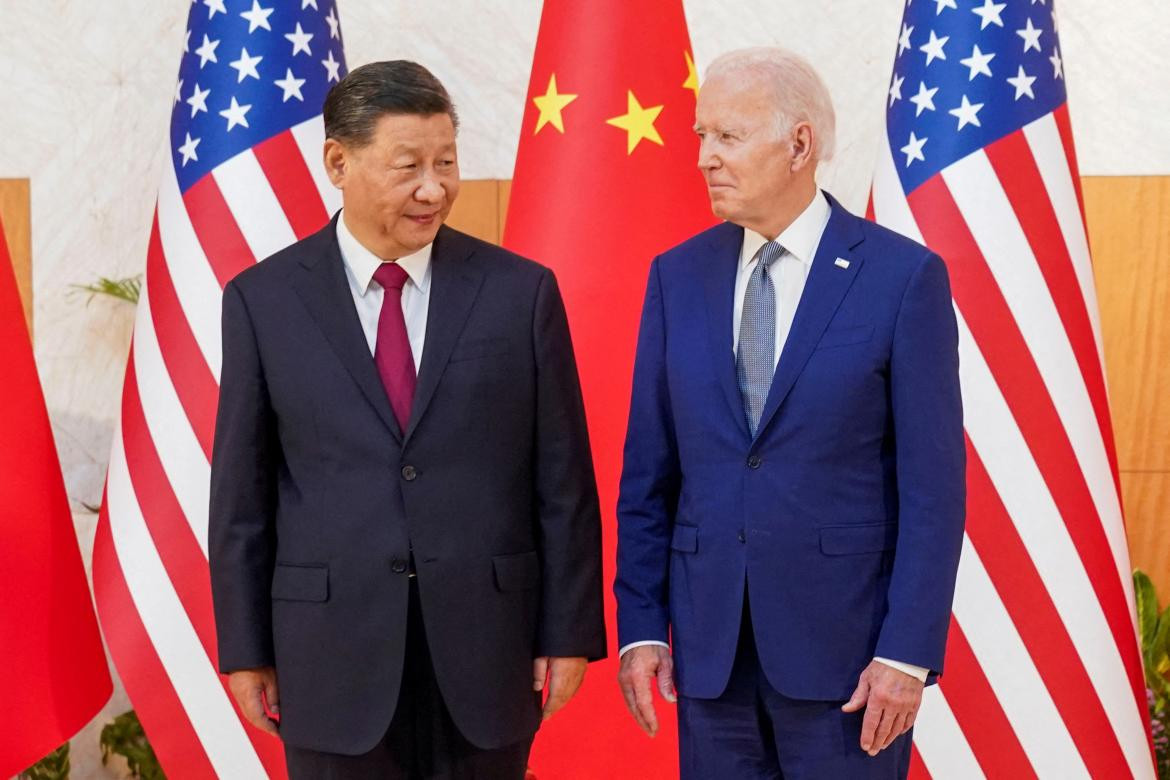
pixel 843 517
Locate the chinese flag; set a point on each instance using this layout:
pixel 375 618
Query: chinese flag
pixel 53 674
pixel 606 178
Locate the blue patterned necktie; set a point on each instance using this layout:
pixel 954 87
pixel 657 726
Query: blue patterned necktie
pixel 756 360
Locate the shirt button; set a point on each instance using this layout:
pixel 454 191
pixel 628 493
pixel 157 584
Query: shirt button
pixel 754 462
pixel 409 473
pixel 742 537
pixel 398 566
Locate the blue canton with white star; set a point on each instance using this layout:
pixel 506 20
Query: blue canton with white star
pixel 967 73
pixel 251 69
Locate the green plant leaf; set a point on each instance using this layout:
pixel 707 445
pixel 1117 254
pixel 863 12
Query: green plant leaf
pixel 1147 613
pixel 127 289
pixel 54 766
pixel 124 737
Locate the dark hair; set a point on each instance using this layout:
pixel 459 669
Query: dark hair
pixel 356 103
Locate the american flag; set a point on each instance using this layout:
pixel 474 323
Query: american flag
pixel 243 178
pixel 1043 674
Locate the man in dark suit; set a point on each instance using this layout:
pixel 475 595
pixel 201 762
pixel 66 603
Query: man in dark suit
pixel 405 537
pixel 792 499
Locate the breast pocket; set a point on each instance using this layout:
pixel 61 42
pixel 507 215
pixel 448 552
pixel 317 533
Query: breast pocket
pixel 841 337
pixel 473 349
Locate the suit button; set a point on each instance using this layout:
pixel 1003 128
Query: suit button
pixel 754 462
pixel 398 566
pixel 742 538
pixel 409 473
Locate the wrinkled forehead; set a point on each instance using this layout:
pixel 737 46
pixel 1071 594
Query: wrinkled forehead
pixel 739 96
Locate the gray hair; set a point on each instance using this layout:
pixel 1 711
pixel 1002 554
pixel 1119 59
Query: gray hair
pixel 801 95
pixel 356 103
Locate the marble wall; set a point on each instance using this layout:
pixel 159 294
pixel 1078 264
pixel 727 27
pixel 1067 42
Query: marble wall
pixel 85 95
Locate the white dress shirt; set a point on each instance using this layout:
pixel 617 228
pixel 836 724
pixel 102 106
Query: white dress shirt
pixel 800 240
pixel 360 265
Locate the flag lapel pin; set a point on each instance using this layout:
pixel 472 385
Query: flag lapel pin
pixel 841 262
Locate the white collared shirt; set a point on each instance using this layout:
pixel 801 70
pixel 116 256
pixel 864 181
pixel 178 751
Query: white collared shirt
pixel 800 240
pixel 789 272
pixel 360 265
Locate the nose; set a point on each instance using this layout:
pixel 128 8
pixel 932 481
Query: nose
pixel 429 190
pixel 708 159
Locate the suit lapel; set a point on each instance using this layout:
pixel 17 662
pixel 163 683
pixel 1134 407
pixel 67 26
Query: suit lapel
pixel 719 282
pixel 823 292
pixel 455 284
pixel 321 283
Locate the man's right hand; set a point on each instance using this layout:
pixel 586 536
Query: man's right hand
pixel 640 665
pixel 253 688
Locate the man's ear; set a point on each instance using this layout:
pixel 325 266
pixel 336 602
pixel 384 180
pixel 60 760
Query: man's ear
pixel 802 142
pixel 336 162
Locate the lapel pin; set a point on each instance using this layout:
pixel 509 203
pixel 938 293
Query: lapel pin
pixel 841 262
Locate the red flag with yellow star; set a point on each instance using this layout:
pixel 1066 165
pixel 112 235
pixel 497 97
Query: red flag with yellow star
pixel 606 178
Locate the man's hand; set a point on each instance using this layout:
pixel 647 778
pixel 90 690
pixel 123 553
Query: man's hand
pixel 254 689
pixel 561 676
pixel 639 665
pixel 891 699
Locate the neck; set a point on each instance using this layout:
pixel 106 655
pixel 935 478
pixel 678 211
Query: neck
pixel 783 214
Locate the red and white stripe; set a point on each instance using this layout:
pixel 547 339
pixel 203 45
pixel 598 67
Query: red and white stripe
pixel 150 555
pixel 1043 674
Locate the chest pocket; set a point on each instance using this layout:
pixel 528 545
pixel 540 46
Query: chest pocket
pixel 840 337
pixel 471 349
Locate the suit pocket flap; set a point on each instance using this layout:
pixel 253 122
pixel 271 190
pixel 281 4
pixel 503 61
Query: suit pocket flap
pixel 301 582
pixel 854 539
pixel 470 349
pixel 839 337
pixel 517 572
pixel 685 538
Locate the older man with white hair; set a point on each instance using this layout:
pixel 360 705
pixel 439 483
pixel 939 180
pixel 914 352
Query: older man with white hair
pixel 792 498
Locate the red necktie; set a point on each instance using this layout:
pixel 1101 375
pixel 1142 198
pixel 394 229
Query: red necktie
pixel 392 352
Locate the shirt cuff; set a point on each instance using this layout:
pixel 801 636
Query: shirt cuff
pixel 632 645
pixel 917 672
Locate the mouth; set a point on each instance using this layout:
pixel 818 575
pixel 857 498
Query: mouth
pixel 423 219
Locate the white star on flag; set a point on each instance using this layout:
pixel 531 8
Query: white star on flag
pixel 1057 64
pixel 207 51
pixel 1023 84
pixel 1031 36
pixel 246 65
pixel 258 17
pixel 332 66
pixel 236 114
pixel 300 40
pixel 924 99
pixel 896 89
pixel 967 113
pixel 913 150
pixel 306 3
pixel 188 149
pixel 941 4
pixel 934 48
pixel 904 40
pixel 291 86
pixel 334 24
pixel 179 91
pixel 198 100
pixel 989 13
pixel 977 62
pixel 213 7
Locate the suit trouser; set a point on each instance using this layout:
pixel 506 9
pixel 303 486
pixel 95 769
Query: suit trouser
pixel 753 731
pixel 422 741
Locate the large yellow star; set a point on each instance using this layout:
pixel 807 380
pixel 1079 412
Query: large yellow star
pixel 638 122
pixel 551 103
pixel 692 81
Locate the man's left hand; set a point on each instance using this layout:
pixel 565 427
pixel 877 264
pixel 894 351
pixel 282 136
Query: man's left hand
pixel 561 677
pixel 891 699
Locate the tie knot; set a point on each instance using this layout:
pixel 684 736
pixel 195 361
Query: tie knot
pixel 769 252
pixel 391 276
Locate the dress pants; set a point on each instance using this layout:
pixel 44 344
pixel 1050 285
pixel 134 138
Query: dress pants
pixel 752 731
pixel 422 741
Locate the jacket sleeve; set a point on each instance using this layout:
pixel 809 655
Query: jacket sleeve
pixel 241 532
pixel 649 487
pixel 572 621
pixel 930 452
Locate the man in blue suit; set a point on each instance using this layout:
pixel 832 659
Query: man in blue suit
pixel 792 498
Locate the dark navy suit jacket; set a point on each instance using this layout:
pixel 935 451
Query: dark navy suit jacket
pixel 318 498
pixel 843 516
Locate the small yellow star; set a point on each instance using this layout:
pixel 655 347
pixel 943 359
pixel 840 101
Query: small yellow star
pixel 551 103
pixel 638 122
pixel 692 81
